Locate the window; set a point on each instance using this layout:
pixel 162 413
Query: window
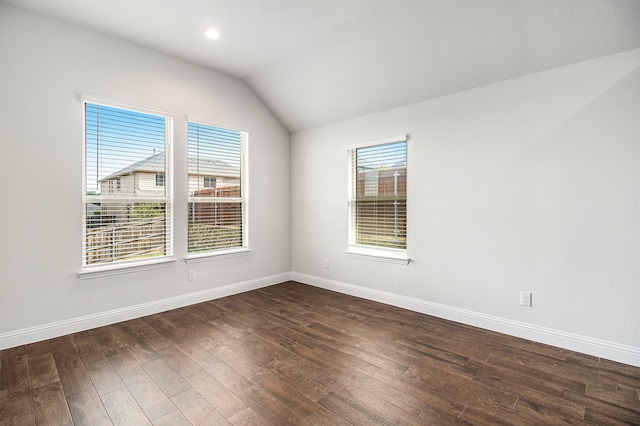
pixel 217 192
pixel 378 198
pixel 127 218
pixel 209 182
pixel 159 179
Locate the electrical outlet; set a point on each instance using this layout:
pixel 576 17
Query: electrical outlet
pixel 525 298
pixel 325 263
pixel 191 273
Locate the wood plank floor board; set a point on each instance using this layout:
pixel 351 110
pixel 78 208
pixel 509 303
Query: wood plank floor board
pixel 16 406
pixel 324 417
pixel 86 408
pixel 191 349
pixel 248 417
pixel 350 411
pixel 473 416
pixel 42 370
pixel 417 388
pixel 525 412
pixel 220 398
pixel 153 401
pixel 196 409
pixel 69 366
pixel 14 369
pixel 566 382
pixel 297 380
pixel 596 408
pixel 269 407
pixel 379 406
pixel 179 361
pixel 123 410
pixel 407 402
pixel 618 395
pixel 50 405
pixel 236 361
pixel 123 361
pixel 286 394
pixel 166 377
pixel 296 354
pixel 544 399
pixel 175 418
pixel 141 351
pixel 226 375
pixel 465 392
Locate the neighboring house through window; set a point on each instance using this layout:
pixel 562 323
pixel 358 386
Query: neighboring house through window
pixel 216 188
pixel 127 215
pixel 378 198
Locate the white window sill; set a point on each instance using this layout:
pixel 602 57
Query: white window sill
pixel 398 257
pixel 217 255
pixel 124 268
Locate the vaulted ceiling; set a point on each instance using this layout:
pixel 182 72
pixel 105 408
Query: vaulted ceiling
pixel 314 62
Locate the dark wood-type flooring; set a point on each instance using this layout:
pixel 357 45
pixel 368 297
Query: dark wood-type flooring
pixel 296 354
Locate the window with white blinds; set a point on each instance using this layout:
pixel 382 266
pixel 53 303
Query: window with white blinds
pixel 378 195
pixel 127 202
pixel 217 195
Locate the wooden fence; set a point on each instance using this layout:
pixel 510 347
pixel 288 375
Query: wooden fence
pixel 126 241
pixel 381 208
pixel 215 212
pixel 388 182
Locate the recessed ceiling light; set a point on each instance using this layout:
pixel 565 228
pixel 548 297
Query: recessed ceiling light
pixel 212 33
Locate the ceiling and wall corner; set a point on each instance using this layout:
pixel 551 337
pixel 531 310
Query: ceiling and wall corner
pixel 322 61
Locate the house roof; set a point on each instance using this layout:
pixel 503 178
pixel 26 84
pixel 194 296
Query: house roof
pixel 318 62
pixel 203 167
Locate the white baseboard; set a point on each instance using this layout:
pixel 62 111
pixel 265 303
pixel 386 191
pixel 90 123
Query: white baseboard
pixel 600 348
pixel 74 325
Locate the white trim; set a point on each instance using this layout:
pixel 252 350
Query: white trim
pixel 390 139
pixel 124 268
pixel 219 123
pixel 399 257
pixel 596 347
pixel 217 255
pixel 117 103
pixel 73 325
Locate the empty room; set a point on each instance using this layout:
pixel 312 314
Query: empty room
pixel 319 212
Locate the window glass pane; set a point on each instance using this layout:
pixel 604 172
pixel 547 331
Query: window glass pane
pixel 126 209
pixel 379 207
pixel 215 158
pixel 124 150
pixel 216 201
pixel 121 232
pixel 214 226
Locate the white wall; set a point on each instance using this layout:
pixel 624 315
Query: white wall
pixel 529 184
pixel 45 66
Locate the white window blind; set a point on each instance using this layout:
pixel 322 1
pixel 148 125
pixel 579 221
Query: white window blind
pixel 378 195
pixel 127 217
pixel 217 195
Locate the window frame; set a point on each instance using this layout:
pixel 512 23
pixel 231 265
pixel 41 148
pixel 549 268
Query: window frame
pixel 244 249
pixel 126 266
pixel 362 251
